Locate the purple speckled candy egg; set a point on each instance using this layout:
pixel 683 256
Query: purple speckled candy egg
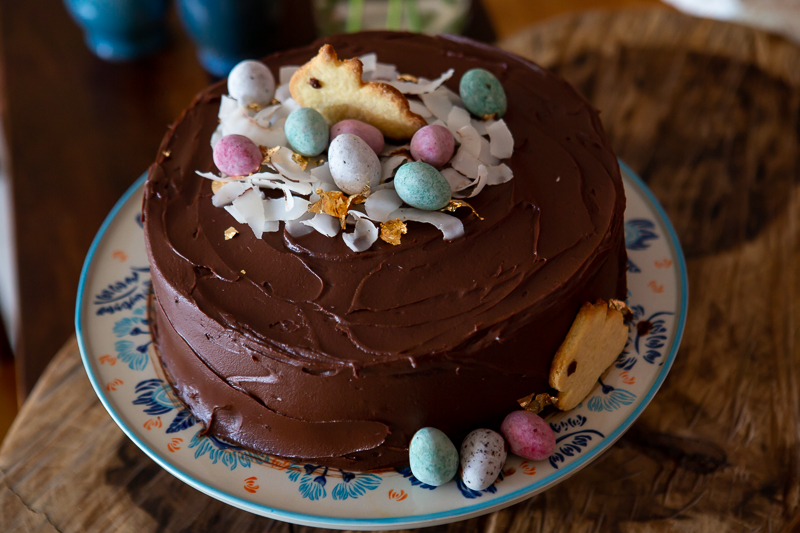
pixel 528 435
pixel 236 155
pixel 433 145
pixel 367 132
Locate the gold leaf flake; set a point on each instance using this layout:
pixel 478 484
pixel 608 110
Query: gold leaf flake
pixel 493 116
pixel 391 230
pixel 402 151
pixel 336 203
pixel 301 160
pixel 230 233
pixel 274 101
pixel 255 107
pixel 622 307
pixel 455 204
pixel 267 153
pixel 243 272
pixel 166 153
pixel 216 186
pixel 536 403
pixel 407 77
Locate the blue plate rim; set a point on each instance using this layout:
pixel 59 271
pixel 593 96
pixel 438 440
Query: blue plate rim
pixel 413 520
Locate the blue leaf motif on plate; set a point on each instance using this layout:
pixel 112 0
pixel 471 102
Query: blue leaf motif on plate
pixel 124 294
pixel 219 451
pixel 611 399
pixel 154 396
pixel 578 440
pixel 354 485
pixel 632 268
pixel 134 356
pixel 654 331
pixel 638 232
pixel 312 485
pixel 569 423
pixel 406 473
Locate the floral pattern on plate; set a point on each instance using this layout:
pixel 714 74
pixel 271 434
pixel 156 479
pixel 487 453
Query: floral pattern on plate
pixel 116 345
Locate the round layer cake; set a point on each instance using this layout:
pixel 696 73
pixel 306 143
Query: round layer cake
pixel 302 348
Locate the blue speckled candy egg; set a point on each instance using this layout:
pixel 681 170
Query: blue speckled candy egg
pixel 433 457
pixel 482 93
pixel 422 186
pixel 353 164
pixel 483 454
pixel 307 131
pixel 251 82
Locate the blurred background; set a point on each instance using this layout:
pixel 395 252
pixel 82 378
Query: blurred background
pixel 88 88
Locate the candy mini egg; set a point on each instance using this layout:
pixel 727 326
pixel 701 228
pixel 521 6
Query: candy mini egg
pixel 251 82
pixel 422 186
pixel 482 93
pixel 236 155
pixel 368 133
pixel 307 131
pixel 353 164
pixel 433 457
pixel 483 454
pixel 528 435
pixel 433 144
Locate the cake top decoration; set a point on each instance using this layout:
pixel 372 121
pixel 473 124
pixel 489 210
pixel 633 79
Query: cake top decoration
pixel 349 176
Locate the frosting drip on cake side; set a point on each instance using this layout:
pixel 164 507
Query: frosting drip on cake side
pixel 313 333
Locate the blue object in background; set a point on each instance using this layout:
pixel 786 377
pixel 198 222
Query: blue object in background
pixel 118 30
pixel 226 31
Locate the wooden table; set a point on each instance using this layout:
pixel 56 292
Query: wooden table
pixel 708 114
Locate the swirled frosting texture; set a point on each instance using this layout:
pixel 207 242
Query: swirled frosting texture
pixel 302 348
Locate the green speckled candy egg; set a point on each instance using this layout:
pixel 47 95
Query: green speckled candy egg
pixel 433 457
pixel 482 93
pixel 422 186
pixel 307 131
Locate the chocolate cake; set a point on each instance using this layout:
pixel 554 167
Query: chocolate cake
pixel 301 348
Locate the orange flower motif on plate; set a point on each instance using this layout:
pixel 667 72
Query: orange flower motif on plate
pixel 397 495
pixel 250 485
pixel 112 385
pixel 175 444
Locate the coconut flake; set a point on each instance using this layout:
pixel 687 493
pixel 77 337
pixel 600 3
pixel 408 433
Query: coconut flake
pixel 235 214
pixel 457 181
pixel 465 163
pixel 499 174
pixel 213 177
pixel 362 237
pixel 271 226
pixel 264 118
pixel 423 85
pixel 252 210
pixel 450 226
pixel 381 204
pixel 470 140
pixel 458 118
pixel 417 107
pixel 227 107
pixel 453 96
pixel 322 173
pixel 324 224
pixel 384 71
pixel 369 62
pixel 282 93
pixel 480 125
pixel 438 104
pixel 290 104
pixel 285 73
pixel 485 157
pixel 501 142
pixel 296 228
pixel 283 209
pixel 228 193
pixel 389 165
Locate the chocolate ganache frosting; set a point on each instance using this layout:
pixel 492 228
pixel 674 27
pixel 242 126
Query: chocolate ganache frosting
pixel 301 348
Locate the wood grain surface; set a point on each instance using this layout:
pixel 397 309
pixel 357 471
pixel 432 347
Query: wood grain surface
pixel 708 114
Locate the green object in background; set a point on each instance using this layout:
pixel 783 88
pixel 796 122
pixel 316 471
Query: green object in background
pixel 425 16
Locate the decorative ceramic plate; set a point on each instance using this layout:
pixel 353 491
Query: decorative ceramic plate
pixel 116 346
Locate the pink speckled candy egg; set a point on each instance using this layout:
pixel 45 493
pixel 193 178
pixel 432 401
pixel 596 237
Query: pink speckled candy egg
pixel 528 435
pixel 236 155
pixel 367 132
pixel 433 145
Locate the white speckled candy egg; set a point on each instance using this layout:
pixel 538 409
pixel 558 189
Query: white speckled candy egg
pixel 353 164
pixel 483 454
pixel 251 82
